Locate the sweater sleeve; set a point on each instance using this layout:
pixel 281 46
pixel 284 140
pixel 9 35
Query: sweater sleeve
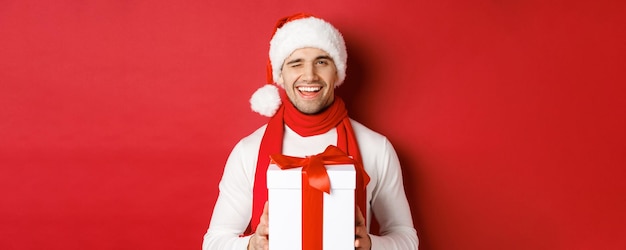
pixel 232 210
pixel 390 206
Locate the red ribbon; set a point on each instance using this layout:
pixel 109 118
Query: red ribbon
pixel 315 181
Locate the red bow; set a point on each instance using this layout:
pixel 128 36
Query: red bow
pixel 313 165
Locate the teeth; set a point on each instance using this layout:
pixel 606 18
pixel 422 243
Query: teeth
pixel 309 89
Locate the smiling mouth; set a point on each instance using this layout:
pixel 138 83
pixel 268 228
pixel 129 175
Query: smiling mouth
pixel 309 90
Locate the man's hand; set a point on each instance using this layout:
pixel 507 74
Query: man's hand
pixel 362 238
pixel 260 238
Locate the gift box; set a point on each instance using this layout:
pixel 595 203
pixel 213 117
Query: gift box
pixel 287 216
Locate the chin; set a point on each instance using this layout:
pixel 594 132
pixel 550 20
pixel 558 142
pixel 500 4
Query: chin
pixel 312 110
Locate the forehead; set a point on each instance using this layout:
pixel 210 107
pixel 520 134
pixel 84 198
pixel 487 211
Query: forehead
pixel 307 53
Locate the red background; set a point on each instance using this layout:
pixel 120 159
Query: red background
pixel 509 117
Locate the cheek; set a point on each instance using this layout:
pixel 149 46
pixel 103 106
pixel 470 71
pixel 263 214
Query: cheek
pixel 286 78
pixel 331 78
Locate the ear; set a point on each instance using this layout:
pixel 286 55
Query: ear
pixel 280 81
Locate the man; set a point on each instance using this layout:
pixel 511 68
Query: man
pixel 308 61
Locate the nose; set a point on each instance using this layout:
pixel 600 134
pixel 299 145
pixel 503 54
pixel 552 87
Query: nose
pixel 309 73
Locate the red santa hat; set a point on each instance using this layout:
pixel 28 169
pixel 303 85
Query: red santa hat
pixel 292 33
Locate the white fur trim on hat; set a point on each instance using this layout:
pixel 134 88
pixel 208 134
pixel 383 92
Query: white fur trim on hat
pixel 308 32
pixel 266 100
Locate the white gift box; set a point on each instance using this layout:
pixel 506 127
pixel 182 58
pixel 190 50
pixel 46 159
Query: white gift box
pixel 285 208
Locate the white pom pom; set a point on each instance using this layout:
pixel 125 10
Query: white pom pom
pixel 266 100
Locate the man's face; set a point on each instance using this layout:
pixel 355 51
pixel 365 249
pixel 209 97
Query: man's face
pixel 309 76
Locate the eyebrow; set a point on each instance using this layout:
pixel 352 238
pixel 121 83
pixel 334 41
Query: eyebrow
pixel 298 60
pixel 323 57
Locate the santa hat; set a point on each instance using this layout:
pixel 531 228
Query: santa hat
pixel 292 33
